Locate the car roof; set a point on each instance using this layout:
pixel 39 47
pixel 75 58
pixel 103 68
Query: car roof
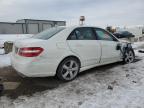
pixel 77 26
pixel 80 26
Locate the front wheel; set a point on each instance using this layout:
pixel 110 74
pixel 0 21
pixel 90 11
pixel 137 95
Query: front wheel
pixel 129 56
pixel 68 69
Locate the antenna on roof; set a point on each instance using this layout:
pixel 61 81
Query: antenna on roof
pixel 82 19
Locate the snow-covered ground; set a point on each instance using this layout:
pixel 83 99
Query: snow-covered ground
pixel 138 45
pixel 12 38
pixel 4 61
pixel 89 90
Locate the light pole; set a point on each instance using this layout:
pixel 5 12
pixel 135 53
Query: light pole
pixel 82 19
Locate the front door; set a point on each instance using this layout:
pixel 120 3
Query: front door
pixel 108 43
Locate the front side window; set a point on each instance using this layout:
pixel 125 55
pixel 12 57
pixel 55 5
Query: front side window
pixel 46 34
pixel 103 35
pixel 84 33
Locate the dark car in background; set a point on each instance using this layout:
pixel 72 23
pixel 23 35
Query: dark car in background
pixel 123 34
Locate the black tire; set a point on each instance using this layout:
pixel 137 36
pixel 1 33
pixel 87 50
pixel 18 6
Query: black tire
pixel 66 69
pixel 129 56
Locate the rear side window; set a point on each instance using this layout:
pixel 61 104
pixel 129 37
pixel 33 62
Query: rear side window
pixel 83 33
pixel 46 34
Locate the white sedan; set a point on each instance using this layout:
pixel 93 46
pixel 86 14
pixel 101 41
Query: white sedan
pixel 66 51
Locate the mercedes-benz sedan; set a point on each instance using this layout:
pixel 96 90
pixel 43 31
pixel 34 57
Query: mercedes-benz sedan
pixel 66 51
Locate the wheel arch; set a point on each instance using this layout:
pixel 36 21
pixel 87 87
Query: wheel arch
pixel 70 56
pixel 127 49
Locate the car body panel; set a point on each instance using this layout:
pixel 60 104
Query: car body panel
pixel 88 50
pixel 109 52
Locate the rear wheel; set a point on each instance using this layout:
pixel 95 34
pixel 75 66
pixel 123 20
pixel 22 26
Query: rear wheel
pixel 129 56
pixel 68 69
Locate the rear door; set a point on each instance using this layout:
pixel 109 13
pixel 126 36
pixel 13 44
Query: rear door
pixel 108 43
pixel 82 41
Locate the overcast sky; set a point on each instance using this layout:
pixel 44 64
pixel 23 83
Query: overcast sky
pixel 97 12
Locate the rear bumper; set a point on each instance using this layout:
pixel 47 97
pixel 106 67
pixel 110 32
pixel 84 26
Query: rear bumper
pixel 34 69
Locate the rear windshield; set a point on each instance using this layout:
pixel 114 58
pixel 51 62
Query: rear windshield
pixel 46 34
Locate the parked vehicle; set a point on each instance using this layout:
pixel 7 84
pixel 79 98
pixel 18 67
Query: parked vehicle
pixel 66 51
pixel 123 34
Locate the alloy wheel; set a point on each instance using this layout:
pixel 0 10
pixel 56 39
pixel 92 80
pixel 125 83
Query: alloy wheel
pixel 129 57
pixel 70 69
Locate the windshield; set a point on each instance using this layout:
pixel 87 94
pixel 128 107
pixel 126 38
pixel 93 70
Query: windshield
pixel 46 34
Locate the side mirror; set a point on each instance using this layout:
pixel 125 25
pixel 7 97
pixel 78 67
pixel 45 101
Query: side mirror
pixel 118 47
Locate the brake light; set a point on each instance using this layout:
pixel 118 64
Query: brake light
pixel 30 51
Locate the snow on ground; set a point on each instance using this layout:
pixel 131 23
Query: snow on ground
pixel 4 59
pixel 1 51
pixel 137 45
pixel 137 53
pixel 12 37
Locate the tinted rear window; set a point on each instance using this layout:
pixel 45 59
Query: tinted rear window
pixel 46 34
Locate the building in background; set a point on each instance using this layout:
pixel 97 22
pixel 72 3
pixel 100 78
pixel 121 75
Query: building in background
pixel 28 26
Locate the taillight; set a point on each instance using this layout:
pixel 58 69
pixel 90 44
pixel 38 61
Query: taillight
pixel 30 51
